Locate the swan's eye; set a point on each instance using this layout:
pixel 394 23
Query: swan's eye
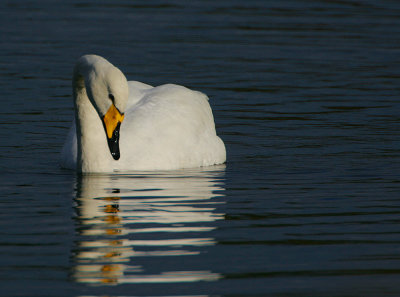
pixel 111 96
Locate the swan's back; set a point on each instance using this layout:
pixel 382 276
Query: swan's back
pixel 170 127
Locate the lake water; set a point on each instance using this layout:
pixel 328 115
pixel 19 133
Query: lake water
pixel 305 96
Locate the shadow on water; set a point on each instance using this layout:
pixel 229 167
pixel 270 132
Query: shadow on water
pixel 126 223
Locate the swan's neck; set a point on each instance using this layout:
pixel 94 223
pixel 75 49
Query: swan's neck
pixel 93 152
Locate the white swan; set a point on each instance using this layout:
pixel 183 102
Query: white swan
pixel 124 126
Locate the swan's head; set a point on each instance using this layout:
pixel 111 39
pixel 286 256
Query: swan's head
pixel 107 89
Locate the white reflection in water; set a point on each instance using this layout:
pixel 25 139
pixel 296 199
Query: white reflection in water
pixel 124 217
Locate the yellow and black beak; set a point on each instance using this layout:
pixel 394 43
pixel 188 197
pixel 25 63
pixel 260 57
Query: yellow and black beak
pixel 112 122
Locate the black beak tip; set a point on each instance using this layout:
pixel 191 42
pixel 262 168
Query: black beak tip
pixel 113 143
pixel 115 155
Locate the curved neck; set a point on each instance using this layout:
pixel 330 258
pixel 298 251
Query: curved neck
pixel 93 153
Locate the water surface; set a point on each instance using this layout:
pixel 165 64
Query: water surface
pixel 305 96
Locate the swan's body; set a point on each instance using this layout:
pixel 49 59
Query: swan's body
pixel 161 128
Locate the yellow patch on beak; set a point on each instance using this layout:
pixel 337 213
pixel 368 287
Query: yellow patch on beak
pixel 111 120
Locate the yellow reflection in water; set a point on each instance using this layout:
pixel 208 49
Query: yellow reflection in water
pixel 124 217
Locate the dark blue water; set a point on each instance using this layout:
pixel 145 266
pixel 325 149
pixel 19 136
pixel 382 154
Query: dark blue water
pixel 305 96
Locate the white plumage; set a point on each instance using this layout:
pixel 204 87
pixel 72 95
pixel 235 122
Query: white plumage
pixel 163 128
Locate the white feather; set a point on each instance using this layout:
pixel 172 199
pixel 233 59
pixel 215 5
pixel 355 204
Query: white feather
pixel 165 127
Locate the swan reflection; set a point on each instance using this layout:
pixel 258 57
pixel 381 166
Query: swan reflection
pixel 126 220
